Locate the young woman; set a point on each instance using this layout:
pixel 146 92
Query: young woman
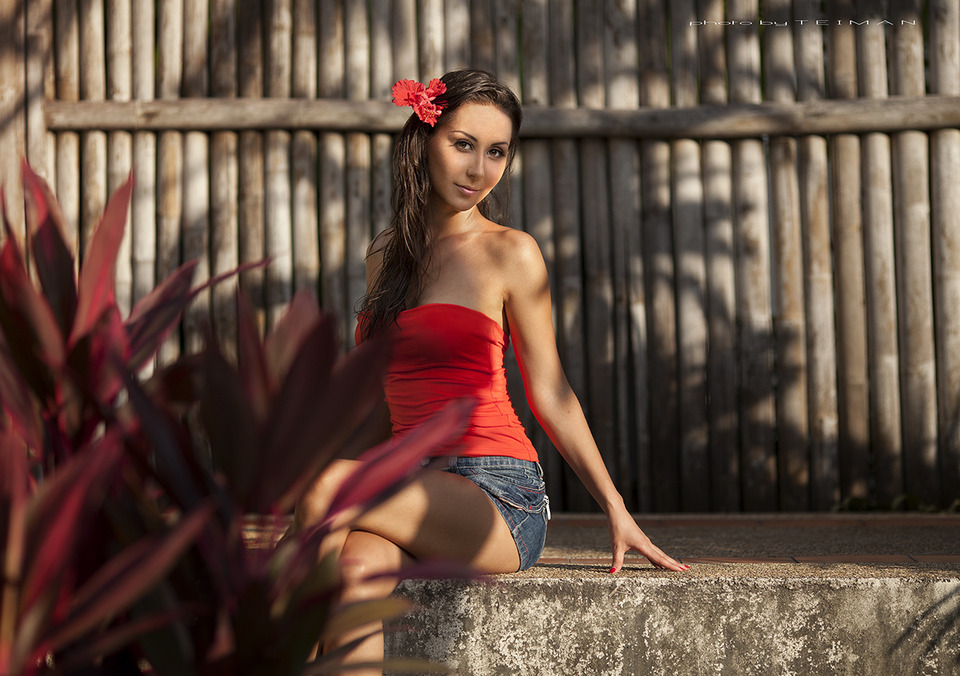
pixel 456 287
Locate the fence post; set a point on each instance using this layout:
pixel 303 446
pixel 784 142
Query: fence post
pixel 886 439
pixel 911 194
pixel 945 167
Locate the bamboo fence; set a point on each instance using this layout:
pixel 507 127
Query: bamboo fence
pixel 749 208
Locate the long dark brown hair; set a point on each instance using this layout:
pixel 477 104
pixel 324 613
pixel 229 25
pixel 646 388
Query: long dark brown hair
pixel 406 254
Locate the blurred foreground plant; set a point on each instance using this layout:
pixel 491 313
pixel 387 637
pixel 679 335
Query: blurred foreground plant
pixel 122 552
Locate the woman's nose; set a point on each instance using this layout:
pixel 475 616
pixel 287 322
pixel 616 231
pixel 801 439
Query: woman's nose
pixel 475 168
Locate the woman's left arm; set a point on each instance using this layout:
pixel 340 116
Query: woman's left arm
pixel 553 402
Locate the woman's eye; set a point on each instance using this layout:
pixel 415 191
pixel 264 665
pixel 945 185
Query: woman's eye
pixel 496 152
pixel 463 145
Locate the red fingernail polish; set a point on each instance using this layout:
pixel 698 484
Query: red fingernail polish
pixel 613 569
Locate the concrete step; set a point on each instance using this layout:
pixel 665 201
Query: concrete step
pixel 766 594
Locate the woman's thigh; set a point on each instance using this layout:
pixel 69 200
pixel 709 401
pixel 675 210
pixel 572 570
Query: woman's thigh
pixel 438 515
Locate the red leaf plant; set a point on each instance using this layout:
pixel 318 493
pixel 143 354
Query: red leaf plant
pixel 123 550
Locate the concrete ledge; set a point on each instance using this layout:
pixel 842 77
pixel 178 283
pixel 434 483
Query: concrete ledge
pixel 781 594
pixel 834 622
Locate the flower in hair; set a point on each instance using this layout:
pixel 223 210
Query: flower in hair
pixel 421 99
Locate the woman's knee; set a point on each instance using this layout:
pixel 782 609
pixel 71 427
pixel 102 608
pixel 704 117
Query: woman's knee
pixel 366 562
pixel 313 505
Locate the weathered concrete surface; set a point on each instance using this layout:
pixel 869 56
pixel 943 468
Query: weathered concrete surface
pixel 723 623
pixel 801 594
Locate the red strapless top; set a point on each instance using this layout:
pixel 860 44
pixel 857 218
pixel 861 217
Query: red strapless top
pixel 442 352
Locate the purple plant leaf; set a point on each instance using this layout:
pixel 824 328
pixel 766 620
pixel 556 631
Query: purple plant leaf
pixel 17 400
pixel 230 424
pixel 386 467
pixel 109 347
pixel 155 315
pixel 314 416
pixel 33 336
pixel 127 577
pixel 174 469
pixel 57 512
pixel 127 632
pixel 51 255
pixel 284 342
pixel 257 383
pixel 98 271
pixel 14 491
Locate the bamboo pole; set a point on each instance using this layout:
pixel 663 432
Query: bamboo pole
pixel 224 196
pixel 596 242
pixel 688 226
pixel 631 394
pixel 278 235
pixel 538 217
pixel 757 405
pixel 482 36
pixel 143 208
pixel 507 68
pixel 945 167
pixel 305 215
pixel 818 275
pixel 39 85
pixel 430 38
pixel 853 401
pixel 250 174
pixel 13 97
pixel 93 144
pixel 568 272
pixel 382 77
pixel 358 176
pixel 456 39
pixel 911 193
pixel 659 270
pixel 405 49
pixel 169 155
pixel 333 162
pixel 120 143
pixel 881 269
pixel 720 272
pixel 67 64
pixel 195 233
pixel 789 324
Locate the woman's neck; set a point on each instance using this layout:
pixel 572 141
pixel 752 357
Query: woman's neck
pixel 445 222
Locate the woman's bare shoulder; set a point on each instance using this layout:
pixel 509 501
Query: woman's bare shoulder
pixel 516 249
pixel 380 242
pixel 518 258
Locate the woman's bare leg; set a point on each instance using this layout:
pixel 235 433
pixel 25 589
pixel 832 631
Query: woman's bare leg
pixel 438 515
pixel 365 555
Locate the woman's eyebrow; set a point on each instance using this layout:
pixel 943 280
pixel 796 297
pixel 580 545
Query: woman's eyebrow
pixel 474 138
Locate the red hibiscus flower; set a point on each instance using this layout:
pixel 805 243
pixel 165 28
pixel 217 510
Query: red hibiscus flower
pixel 421 99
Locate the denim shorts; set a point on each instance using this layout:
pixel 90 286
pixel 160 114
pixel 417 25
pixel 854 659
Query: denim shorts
pixel 516 487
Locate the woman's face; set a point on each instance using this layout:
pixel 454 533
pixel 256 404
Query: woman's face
pixel 467 155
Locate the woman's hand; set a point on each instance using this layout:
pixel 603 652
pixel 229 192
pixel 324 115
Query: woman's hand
pixel 625 535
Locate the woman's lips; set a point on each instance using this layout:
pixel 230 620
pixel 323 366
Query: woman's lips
pixel 470 192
